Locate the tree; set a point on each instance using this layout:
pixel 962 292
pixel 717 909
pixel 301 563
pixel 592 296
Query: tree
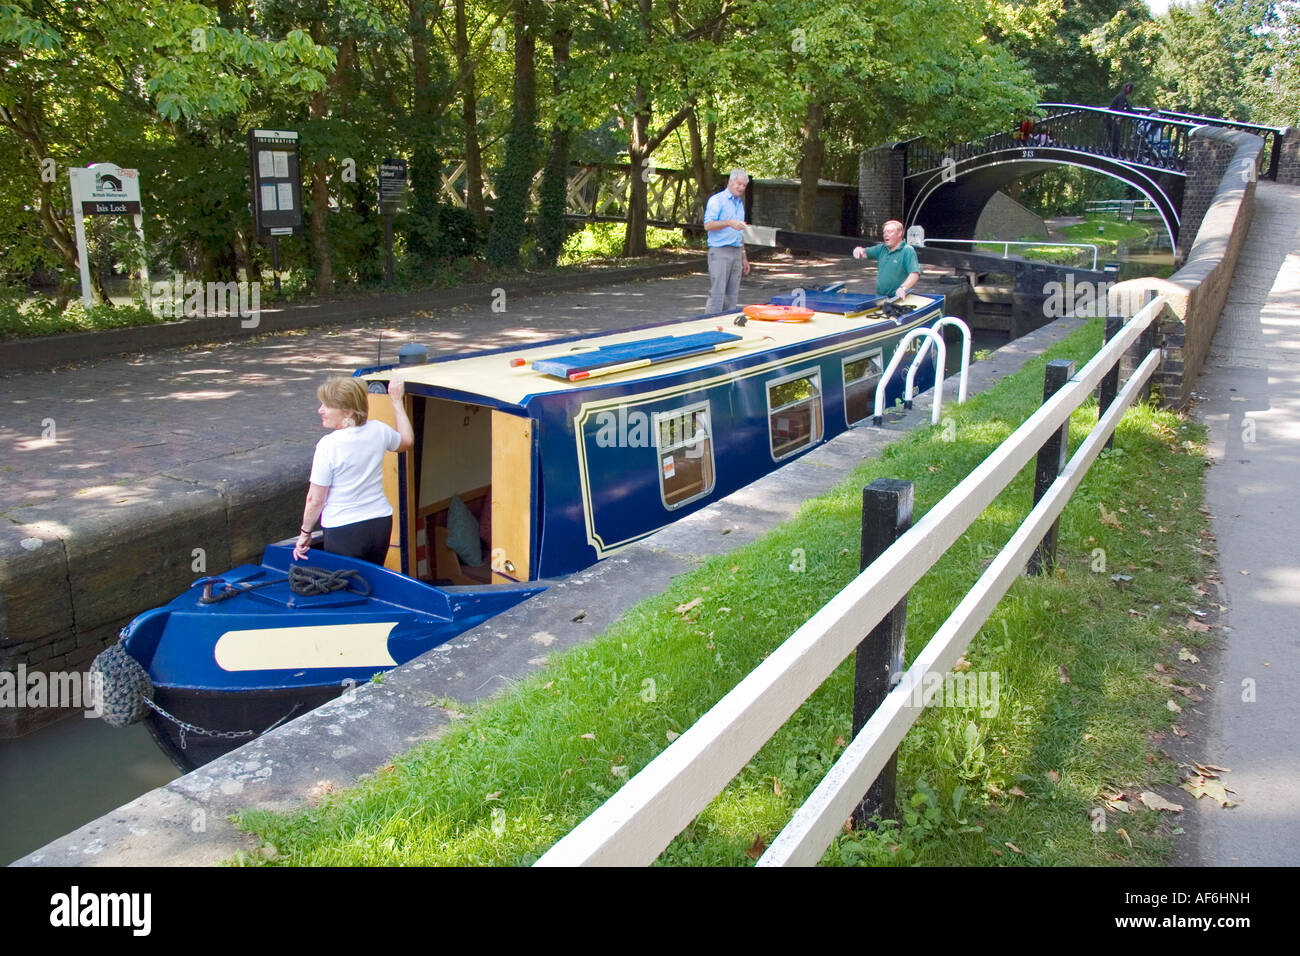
pixel 1231 59
pixel 858 73
pixel 115 75
pixel 1079 51
pixel 522 148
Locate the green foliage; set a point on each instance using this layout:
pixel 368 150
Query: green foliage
pixel 22 315
pixel 1232 59
pixel 604 240
pixel 172 88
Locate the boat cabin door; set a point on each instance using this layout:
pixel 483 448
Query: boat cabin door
pixel 464 494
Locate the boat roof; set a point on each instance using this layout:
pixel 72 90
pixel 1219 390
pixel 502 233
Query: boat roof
pixel 507 375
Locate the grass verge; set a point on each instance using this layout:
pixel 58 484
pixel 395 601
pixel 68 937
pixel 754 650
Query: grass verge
pixel 1013 782
pixel 1107 234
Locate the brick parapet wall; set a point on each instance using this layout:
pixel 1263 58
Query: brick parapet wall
pixel 880 188
pixel 1288 161
pixel 1209 153
pixel 1195 294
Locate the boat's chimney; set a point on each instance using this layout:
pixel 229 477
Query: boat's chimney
pixel 412 353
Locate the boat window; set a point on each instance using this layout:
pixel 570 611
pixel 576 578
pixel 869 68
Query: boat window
pixel 794 413
pixel 684 440
pixel 861 376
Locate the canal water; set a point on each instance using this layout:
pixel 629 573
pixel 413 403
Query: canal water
pixel 58 778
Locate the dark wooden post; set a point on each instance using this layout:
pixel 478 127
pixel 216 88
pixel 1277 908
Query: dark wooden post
pixel 1146 342
pixel 1051 459
pixel 1109 387
pixel 886 515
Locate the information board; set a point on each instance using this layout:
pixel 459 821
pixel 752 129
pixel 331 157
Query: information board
pixel 392 187
pixel 277 182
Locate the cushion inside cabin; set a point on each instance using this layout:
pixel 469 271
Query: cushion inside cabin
pixel 462 533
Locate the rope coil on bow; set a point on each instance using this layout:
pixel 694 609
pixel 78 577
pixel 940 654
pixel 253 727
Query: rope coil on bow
pixel 303 580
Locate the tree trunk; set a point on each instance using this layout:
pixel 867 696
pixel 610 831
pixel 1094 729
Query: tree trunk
pixel 521 150
pixel 551 228
pixel 20 120
pixel 810 165
pixel 425 168
pixel 469 114
pixel 318 227
pixel 634 243
pixel 699 169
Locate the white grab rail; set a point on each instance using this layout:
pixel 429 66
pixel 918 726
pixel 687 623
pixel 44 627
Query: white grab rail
pixel 925 350
pixel 940 363
pixel 878 416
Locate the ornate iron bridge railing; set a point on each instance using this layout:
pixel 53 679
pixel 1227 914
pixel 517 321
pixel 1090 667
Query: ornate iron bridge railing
pixel 1154 139
pixel 1272 136
pixel 1138 139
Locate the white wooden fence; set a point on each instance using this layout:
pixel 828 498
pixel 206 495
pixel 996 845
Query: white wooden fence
pixel 634 825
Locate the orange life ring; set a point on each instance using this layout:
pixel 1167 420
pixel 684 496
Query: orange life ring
pixel 778 313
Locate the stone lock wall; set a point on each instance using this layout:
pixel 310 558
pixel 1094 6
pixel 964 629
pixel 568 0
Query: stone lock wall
pixel 69 582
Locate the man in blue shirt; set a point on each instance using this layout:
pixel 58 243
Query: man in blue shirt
pixel 897 268
pixel 724 220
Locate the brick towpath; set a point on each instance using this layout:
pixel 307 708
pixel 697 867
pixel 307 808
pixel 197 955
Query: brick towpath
pixel 120 420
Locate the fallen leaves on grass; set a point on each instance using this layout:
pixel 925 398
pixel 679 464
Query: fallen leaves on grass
pixel 1109 518
pixel 1063 674
pixel 688 606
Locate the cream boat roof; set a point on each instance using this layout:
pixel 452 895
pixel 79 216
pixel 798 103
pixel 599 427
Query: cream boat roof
pixel 492 376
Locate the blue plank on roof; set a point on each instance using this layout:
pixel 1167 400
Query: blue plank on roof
pixel 659 349
pixel 845 302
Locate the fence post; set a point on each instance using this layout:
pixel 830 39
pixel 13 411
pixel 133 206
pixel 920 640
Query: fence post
pixel 1146 342
pixel 1051 459
pixel 878 664
pixel 1109 387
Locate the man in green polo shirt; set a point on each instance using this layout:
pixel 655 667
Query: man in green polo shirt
pixel 897 268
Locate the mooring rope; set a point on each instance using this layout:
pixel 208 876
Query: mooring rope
pixel 302 579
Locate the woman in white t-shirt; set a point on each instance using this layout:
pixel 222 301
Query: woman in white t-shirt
pixel 347 491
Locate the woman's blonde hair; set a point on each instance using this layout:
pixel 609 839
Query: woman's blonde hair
pixel 346 395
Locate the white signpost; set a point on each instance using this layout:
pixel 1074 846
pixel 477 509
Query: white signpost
pixel 105 189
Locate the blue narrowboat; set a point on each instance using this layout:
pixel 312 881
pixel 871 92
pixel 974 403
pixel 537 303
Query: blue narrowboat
pixel 531 462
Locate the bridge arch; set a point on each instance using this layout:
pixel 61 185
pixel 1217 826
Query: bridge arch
pixel 947 200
